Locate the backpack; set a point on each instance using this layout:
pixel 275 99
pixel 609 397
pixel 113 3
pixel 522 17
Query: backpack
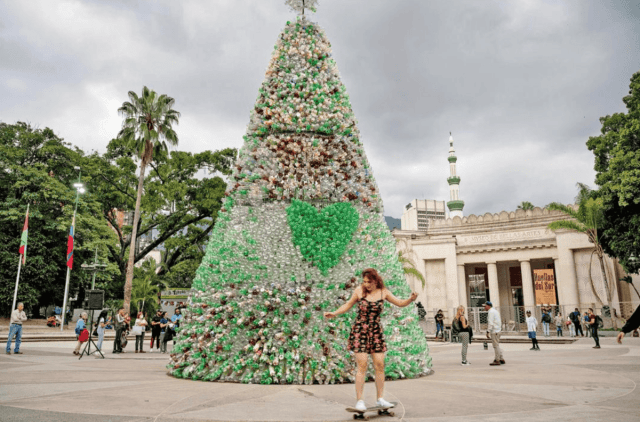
pixel 572 316
pixel 599 321
pixel 546 318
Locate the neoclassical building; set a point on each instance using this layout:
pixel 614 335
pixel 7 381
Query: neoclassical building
pixel 504 252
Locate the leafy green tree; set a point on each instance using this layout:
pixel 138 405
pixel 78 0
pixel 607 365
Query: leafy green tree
pixel 144 294
pixel 183 193
pixel 409 268
pixel 525 205
pixel 587 219
pixel 147 128
pixel 37 167
pixel 617 165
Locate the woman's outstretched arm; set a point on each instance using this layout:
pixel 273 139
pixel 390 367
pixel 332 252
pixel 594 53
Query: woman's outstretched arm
pixel 399 302
pixel 344 308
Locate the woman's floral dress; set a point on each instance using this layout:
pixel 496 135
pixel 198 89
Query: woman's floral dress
pixel 366 335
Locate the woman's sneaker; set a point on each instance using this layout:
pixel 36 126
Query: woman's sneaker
pixel 361 406
pixel 383 403
pixel 465 363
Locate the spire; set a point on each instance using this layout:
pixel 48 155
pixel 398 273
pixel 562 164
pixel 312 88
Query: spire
pixel 455 204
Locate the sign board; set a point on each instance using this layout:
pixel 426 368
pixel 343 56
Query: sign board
pixel 477 290
pixel 545 287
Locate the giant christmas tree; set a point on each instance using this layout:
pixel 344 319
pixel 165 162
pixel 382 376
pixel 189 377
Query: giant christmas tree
pixel 302 218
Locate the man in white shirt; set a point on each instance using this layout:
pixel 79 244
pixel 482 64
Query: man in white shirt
pixel 532 327
pixel 15 329
pixel 494 324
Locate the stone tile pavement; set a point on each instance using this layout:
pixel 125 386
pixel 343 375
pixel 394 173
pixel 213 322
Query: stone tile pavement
pixel 562 382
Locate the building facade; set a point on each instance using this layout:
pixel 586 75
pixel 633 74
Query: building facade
pixel 419 214
pixel 504 252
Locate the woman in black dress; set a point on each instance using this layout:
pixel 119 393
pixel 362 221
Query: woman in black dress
pixel 366 336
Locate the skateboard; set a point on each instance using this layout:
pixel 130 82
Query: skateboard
pixel 360 414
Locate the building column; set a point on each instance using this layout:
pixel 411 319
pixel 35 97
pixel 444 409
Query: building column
pixel 567 282
pixel 527 286
pixel 494 289
pixel 462 286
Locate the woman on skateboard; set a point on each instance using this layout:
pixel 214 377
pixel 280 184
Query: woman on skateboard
pixel 366 334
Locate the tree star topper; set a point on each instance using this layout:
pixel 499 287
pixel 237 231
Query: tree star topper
pixel 300 5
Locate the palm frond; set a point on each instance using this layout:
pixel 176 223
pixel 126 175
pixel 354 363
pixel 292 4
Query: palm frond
pixel 415 273
pixel 568 225
pixel 557 206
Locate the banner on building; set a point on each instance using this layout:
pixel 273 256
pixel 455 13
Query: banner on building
pixel 545 285
pixel 477 291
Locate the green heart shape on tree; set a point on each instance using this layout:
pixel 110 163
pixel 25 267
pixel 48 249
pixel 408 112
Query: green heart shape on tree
pixel 323 235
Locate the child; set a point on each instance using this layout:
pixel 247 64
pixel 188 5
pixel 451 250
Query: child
pixel 532 326
pixel 558 321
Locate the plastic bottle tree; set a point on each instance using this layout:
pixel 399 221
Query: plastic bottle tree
pixel 302 218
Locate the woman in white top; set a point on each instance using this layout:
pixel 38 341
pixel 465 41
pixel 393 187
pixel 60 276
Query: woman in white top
pixel 532 326
pixel 102 322
pixel 139 328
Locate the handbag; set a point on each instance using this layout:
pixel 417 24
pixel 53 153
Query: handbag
pixel 136 330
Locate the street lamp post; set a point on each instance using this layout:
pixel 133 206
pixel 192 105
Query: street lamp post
pixel 94 267
pixel 79 189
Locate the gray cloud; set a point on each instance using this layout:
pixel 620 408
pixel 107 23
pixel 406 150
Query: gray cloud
pixel 521 84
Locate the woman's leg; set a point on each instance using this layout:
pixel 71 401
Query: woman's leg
pixel 378 365
pixel 100 339
pixel 361 371
pixel 465 345
pixel 142 341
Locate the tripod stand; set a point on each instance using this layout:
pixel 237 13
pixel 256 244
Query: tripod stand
pixel 87 347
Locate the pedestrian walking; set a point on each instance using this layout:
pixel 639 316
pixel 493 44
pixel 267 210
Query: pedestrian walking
pixel 81 325
pixel 367 336
pixel 632 324
pixel 532 327
pixel 15 329
pixel 164 322
pixel 139 331
pixel 119 324
pixel 546 320
pixel 103 320
pixel 155 330
pixel 460 327
pixel 558 320
pixel 439 323
pixel 594 321
pixel 575 318
pixel 494 324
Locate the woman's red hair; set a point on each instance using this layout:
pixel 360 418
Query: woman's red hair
pixel 373 276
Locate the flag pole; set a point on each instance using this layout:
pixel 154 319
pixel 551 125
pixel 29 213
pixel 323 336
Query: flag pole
pixel 66 283
pixel 15 293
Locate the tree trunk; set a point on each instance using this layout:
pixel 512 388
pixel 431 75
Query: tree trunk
pixel 132 244
pixel 606 287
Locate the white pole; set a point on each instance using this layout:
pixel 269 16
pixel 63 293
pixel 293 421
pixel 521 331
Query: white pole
pixel 66 283
pixel 15 294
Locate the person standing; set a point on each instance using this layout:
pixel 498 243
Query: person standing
pixel 155 330
pixel 140 327
pixel 494 324
pixel 571 327
pixel 532 327
pixel 546 320
pixel 632 324
pixel 558 321
pixel 575 318
pixel 81 325
pixel 119 326
pixel 164 328
pixel 585 323
pixel 175 319
pixel 15 329
pixel 102 322
pixel 439 323
pixel 460 327
pixel 593 324
pixel 367 334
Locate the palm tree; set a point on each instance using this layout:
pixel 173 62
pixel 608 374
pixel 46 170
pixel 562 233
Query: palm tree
pixel 144 290
pixel 410 268
pixel 147 128
pixel 586 219
pixel 525 205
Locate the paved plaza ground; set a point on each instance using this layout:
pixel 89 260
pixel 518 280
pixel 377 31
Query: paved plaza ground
pixel 562 382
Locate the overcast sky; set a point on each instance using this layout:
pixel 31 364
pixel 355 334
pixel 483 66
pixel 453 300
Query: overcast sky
pixel 521 84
